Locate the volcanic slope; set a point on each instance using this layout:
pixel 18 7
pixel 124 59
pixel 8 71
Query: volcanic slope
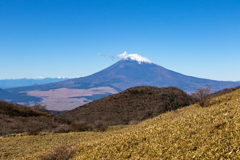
pixel 133 70
pixel 130 106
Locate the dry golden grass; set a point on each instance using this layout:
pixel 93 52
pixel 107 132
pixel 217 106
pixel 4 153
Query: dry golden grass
pixel 188 133
pixel 23 146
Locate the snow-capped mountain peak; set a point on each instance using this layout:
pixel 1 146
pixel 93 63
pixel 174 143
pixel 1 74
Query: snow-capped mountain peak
pixel 139 58
pixel 136 57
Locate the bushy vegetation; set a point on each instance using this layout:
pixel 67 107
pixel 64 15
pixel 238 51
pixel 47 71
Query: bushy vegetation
pixel 202 96
pixel 15 110
pixel 60 153
pixel 131 106
pixel 39 107
pixel 222 92
pixel 15 118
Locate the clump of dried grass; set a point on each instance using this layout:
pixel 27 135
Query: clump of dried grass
pixel 59 153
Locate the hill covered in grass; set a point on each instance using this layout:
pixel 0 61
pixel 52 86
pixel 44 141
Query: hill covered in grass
pixel 17 110
pixel 15 118
pixel 191 132
pixel 188 133
pixel 222 92
pixel 130 106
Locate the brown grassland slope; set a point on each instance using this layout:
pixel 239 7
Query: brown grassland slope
pixel 25 146
pixel 130 106
pixel 191 132
pixel 224 91
pixel 15 118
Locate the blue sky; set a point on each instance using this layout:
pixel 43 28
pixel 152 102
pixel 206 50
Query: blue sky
pixel 51 38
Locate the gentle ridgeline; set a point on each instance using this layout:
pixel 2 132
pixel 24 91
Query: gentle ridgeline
pixel 191 132
pixel 15 118
pixel 130 106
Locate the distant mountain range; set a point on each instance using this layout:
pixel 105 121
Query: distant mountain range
pixel 133 70
pixel 12 83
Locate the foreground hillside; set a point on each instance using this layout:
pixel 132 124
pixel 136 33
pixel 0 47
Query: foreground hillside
pixel 191 132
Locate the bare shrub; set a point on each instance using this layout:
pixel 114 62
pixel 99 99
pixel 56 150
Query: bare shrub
pixel 100 125
pixel 60 153
pixel 81 126
pixel 40 107
pixel 17 130
pixel 4 130
pixel 64 128
pixel 33 130
pixel 201 96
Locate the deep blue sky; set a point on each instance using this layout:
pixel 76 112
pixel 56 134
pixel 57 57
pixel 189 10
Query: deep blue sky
pixel 51 38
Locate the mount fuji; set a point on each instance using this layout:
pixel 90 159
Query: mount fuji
pixel 132 70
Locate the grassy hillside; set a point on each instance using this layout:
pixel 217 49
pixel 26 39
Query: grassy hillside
pixel 14 110
pixel 15 118
pixel 130 106
pixel 32 146
pixel 188 133
pixel 224 91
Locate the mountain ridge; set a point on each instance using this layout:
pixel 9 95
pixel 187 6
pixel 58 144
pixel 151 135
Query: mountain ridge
pixel 124 74
pixel 132 105
pixel 23 82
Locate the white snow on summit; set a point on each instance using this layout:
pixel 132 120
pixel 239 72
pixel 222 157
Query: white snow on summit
pixel 135 57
